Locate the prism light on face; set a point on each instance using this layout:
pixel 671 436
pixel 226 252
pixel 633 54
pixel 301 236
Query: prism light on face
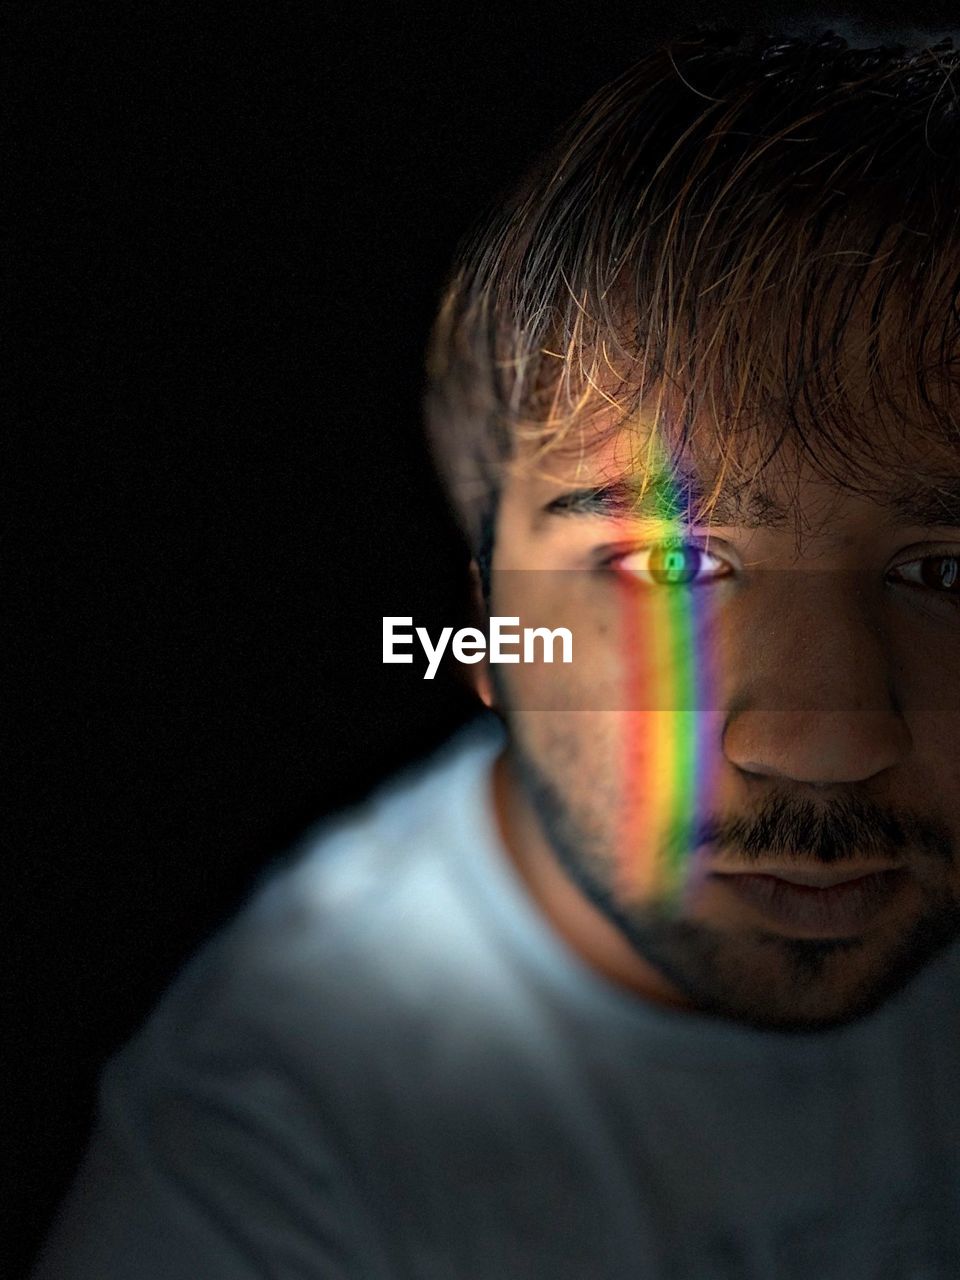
pixel 666 667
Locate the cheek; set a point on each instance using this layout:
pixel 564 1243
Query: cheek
pixel 627 787
pixel 597 677
pixel 581 754
pixel 669 775
pixel 922 650
pixel 935 754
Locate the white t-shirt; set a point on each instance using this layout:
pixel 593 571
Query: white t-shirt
pixel 389 1067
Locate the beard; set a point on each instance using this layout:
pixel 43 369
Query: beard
pixel 751 975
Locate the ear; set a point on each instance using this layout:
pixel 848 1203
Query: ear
pixel 480 674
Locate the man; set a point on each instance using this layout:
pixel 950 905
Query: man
pixel 652 973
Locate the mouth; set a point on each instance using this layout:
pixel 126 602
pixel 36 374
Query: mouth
pixel 823 902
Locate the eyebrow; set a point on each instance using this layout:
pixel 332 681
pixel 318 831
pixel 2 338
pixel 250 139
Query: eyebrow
pixel 926 501
pixel 669 500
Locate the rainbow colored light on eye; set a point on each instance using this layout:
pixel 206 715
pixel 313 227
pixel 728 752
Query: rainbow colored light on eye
pixel 666 672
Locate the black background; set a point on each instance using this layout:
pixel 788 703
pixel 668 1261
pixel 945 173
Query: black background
pixel 228 238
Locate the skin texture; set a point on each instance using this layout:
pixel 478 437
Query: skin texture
pixel 826 725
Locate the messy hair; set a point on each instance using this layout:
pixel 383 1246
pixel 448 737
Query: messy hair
pixel 741 238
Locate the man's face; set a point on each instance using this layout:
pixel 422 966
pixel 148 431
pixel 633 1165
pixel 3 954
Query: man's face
pixel 750 769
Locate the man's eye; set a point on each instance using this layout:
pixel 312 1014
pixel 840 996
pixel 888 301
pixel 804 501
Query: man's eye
pixel 937 573
pixel 672 565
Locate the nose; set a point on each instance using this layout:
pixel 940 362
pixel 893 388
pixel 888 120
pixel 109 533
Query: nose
pixel 817 705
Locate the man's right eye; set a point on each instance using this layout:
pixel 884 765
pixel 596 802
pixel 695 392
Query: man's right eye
pixel 673 564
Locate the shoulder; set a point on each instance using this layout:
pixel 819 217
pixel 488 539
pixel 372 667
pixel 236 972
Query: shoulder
pixel 231 1127
pixel 356 920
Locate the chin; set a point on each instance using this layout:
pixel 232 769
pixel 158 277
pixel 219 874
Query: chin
pixel 771 981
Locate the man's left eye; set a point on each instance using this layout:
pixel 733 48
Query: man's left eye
pixel 673 565
pixel 936 572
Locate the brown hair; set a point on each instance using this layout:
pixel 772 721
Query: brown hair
pixel 723 234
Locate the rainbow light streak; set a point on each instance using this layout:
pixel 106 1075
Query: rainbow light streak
pixel 666 674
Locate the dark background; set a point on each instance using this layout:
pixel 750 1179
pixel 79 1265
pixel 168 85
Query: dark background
pixel 227 240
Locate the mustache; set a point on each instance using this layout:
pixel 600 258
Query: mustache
pixel 841 831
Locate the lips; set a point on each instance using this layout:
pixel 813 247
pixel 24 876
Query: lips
pixel 817 904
